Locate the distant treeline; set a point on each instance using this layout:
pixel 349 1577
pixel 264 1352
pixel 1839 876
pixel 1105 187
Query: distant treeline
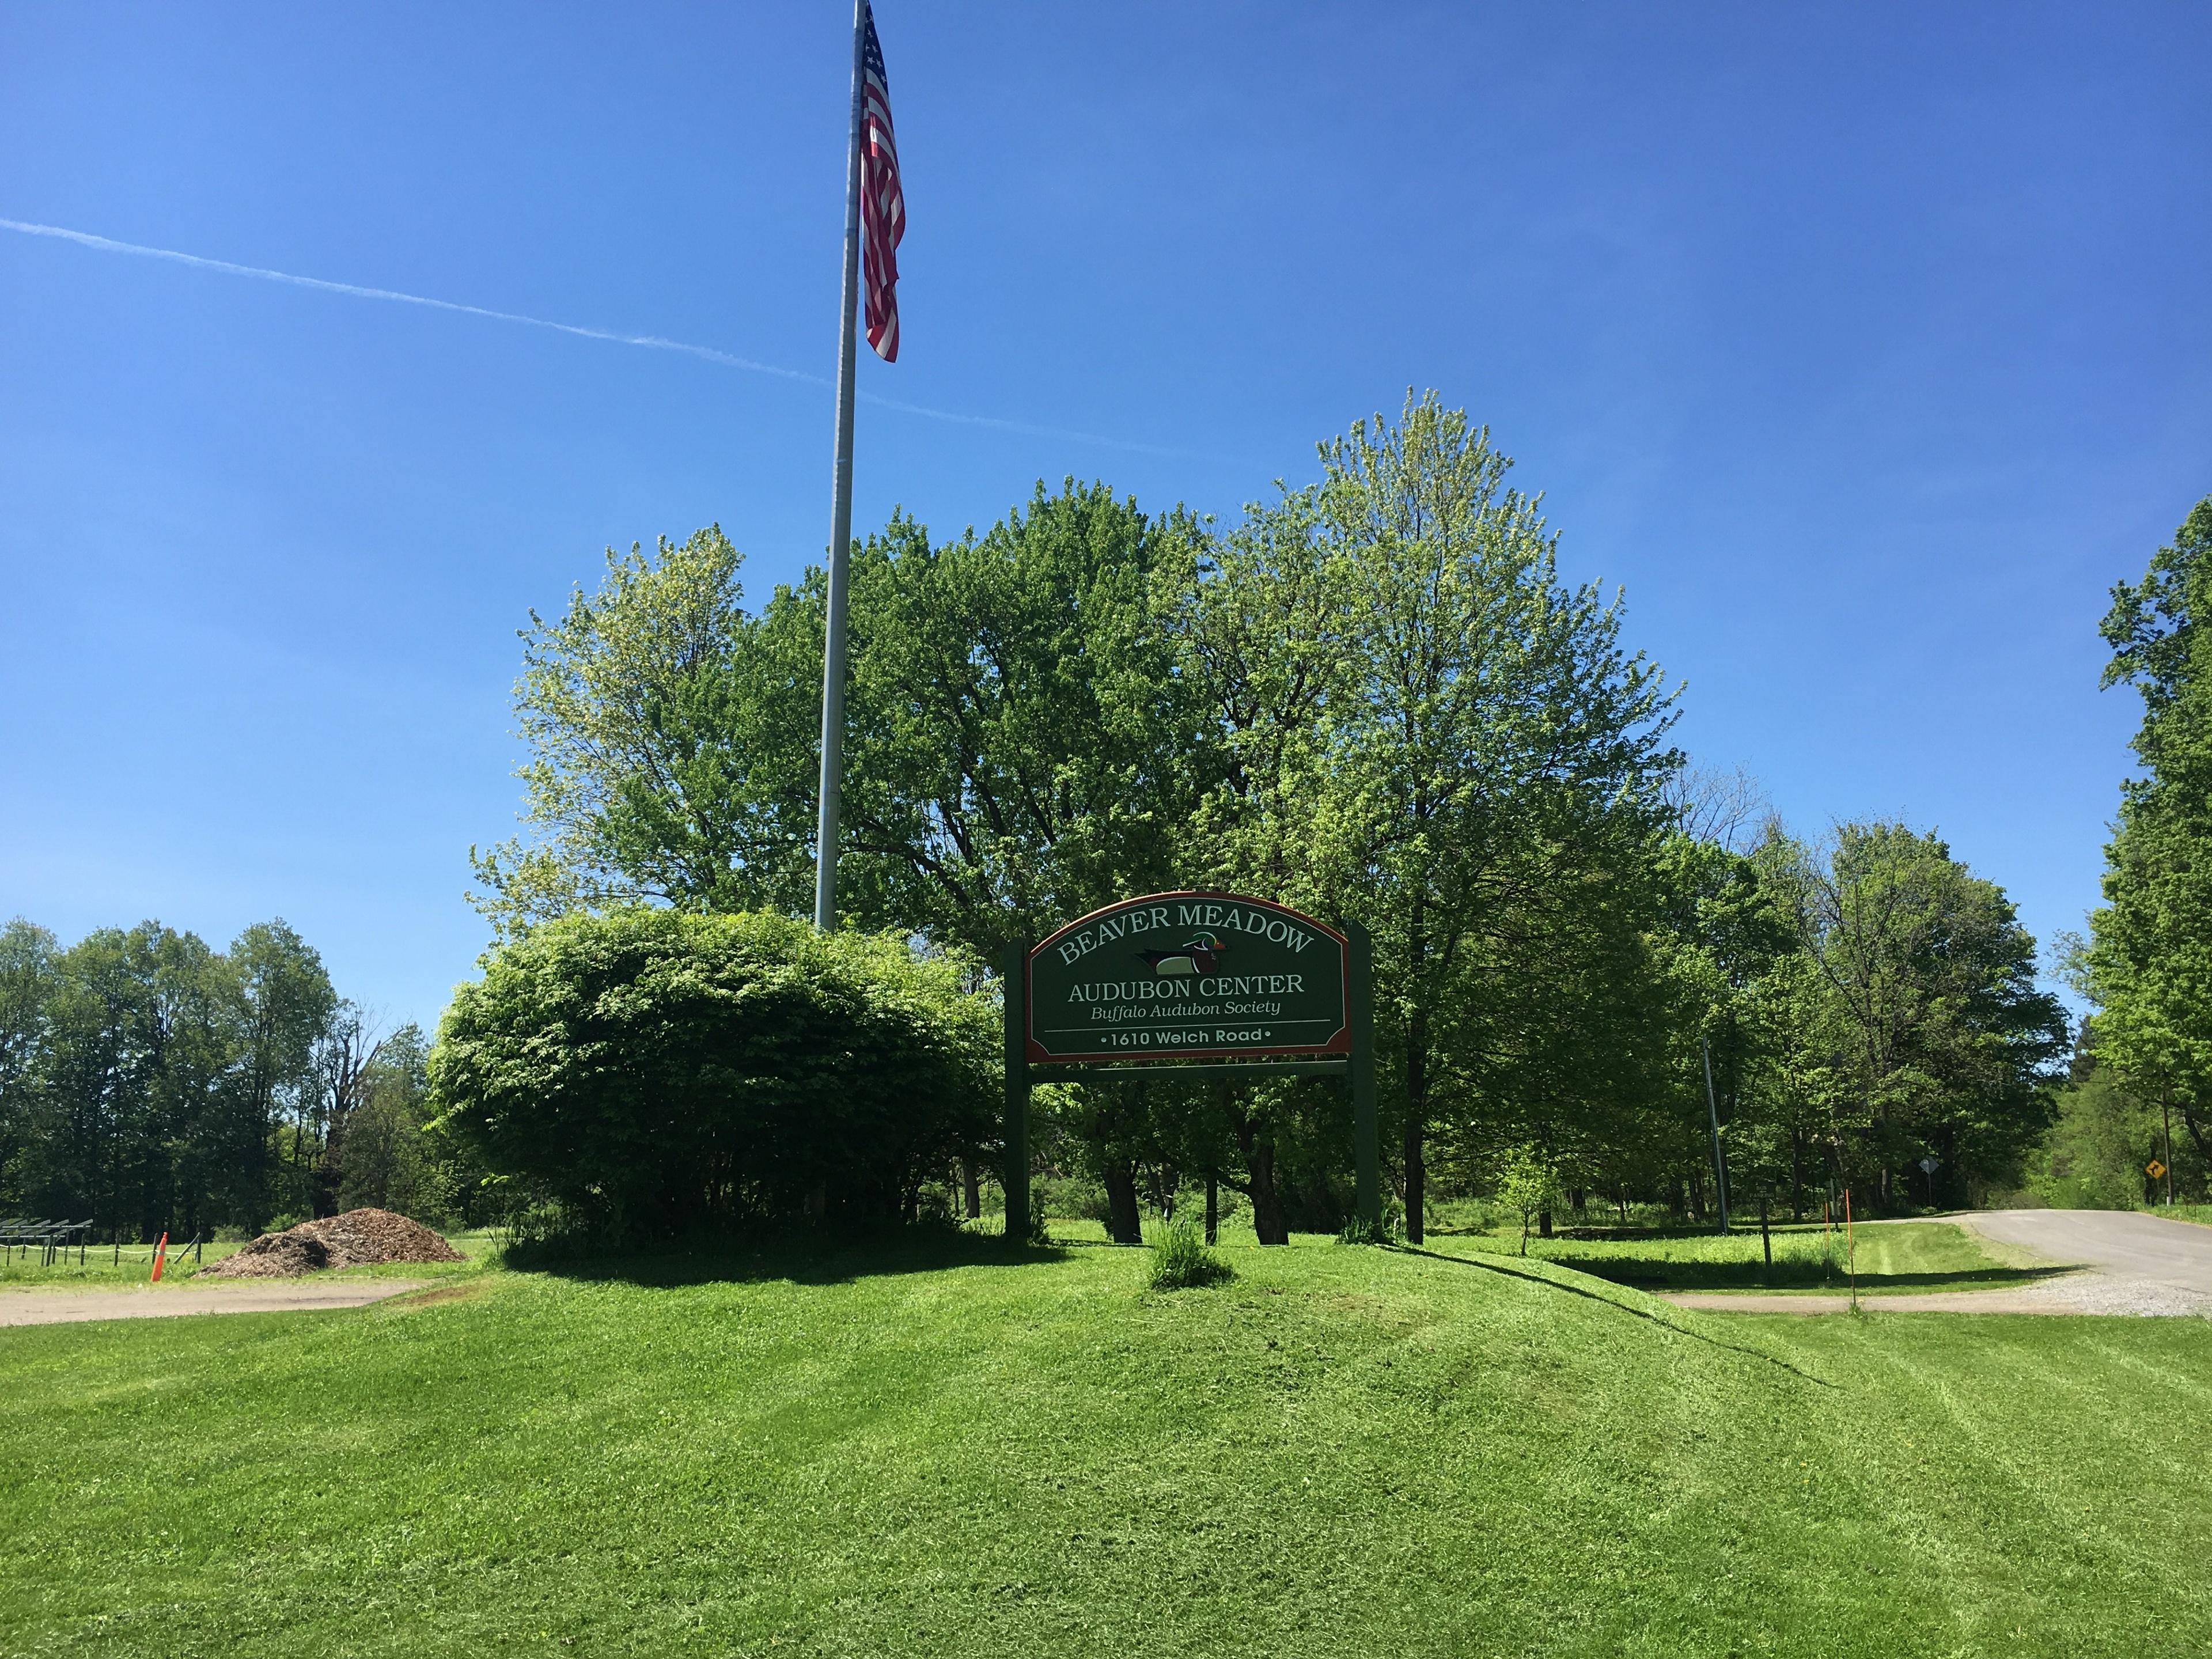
pixel 1373 698
pixel 150 1082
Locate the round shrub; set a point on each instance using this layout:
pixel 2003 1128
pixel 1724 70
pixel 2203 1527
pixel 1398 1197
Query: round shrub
pixel 664 1075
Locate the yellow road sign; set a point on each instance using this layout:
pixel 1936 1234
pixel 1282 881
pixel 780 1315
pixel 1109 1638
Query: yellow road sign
pixel 2154 1168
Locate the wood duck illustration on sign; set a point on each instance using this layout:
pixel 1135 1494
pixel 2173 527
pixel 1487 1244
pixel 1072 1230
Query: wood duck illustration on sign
pixel 1201 956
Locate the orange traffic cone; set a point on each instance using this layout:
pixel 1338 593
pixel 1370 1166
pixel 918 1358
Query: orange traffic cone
pixel 161 1257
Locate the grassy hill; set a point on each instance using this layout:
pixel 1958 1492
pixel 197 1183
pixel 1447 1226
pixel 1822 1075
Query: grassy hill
pixel 1345 1451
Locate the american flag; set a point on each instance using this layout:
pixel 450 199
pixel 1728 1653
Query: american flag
pixel 883 205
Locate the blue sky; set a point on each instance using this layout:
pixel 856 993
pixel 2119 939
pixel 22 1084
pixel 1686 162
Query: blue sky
pixel 1865 345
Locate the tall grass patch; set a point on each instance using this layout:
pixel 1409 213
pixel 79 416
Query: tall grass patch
pixel 1180 1260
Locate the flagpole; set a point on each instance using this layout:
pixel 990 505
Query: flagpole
pixel 841 518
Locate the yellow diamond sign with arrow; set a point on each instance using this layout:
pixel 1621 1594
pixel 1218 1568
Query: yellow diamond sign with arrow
pixel 2154 1168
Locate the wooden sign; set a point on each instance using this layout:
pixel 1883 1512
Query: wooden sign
pixel 1188 977
pixel 1208 983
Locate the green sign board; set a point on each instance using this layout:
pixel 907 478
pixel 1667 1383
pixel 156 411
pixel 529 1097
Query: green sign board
pixel 1188 976
pixel 1207 983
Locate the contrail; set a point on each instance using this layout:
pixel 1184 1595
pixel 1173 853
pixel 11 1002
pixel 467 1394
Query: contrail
pixel 653 343
pixel 649 342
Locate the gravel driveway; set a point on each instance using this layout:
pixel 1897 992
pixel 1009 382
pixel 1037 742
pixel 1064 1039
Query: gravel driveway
pixel 2132 1263
pixel 2124 1263
pixel 42 1307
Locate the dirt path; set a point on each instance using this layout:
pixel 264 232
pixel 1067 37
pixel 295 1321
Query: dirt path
pixel 2123 1263
pixel 37 1307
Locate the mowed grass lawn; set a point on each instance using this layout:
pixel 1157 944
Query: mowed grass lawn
pixel 1345 1451
pixel 1892 1257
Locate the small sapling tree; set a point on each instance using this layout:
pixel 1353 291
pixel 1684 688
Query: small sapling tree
pixel 1526 1181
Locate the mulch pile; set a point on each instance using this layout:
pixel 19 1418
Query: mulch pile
pixel 359 1238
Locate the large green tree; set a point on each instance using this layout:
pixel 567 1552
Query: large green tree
pixel 281 1006
pixel 1432 734
pixel 1021 748
pixel 2150 957
pixel 1921 1026
pixel 1025 746
pixel 28 975
pixel 669 751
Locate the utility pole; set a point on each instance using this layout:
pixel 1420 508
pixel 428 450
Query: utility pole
pixel 2166 1103
pixel 1713 1119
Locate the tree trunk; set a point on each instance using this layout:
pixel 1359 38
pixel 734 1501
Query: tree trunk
pixel 972 1186
pixel 1123 1225
pixel 1268 1221
pixel 1416 1181
pixel 1417 1090
pixel 1544 1223
pixel 1765 1238
pixel 2189 1121
pixel 1212 1206
pixel 330 1169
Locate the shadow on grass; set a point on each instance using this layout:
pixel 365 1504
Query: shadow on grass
pixel 799 1258
pixel 1607 1235
pixel 1655 1272
pixel 1491 1265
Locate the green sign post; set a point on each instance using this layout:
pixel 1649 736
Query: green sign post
pixel 1208 983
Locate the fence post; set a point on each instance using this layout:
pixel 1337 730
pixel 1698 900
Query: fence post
pixel 1367 1147
pixel 1015 966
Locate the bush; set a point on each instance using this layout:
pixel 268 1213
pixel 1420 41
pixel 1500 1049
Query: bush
pixel 1180 1260
pixel 661 1076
